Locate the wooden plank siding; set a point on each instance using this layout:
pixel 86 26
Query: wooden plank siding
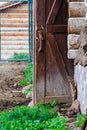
pixel 14 30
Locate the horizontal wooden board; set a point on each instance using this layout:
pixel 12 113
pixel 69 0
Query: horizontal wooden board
pixel 16 11
pixel 72 53
pixel 59 99
pixel 13 38
pixel 6 29
pixel 14 22
pixel 11 43
pixel 56 28
pixel 77 9
pixel 15 6
pixel 14 25
pixel 13 15
pixel 14 47
pixel 72 41
pixel 13 34
pixel 21 6
pixel 14 30
pixel 20 21
pixel 75 25
pixel 12 51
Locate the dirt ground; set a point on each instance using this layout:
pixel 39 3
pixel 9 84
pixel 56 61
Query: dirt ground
pixel 10 90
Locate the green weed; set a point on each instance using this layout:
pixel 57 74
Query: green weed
pixel 80 120
pixel 28 91
pixel 27 75
pixel 17 57
pixel 39 117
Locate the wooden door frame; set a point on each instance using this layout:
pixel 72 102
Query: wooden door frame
pixel 40 20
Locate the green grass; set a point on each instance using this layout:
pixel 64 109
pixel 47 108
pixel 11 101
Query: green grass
pixel 17 57
pixel 80 120
pixel 27 75
pixel 39 117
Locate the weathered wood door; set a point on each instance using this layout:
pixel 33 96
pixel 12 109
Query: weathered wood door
pixel 51 64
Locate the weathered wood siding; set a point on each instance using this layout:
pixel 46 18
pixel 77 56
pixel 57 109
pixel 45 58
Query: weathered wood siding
pixel 14 30
pixel 77 19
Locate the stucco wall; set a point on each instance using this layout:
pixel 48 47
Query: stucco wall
pixel 81 83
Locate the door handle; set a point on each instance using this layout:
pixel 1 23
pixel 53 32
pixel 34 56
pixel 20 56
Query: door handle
pixel 41 39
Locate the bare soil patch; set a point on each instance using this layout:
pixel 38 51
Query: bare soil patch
pixel 10 90
pixel 11 93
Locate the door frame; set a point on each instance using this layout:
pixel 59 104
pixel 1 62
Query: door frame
pixel 39 22
pixel 38 19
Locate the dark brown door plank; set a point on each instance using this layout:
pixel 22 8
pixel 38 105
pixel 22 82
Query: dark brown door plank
pixel 39 58
pixel 56 75
pixel 59 99
pixel 56 29
pixel 54 11
pixel 52 66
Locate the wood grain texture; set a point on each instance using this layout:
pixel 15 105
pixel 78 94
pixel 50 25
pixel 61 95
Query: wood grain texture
pixel 52 65
pixel 77 9
pixel 56 74
pixel 54 11
pixel 13 15
pixel 39 58
pixel 76 21
pixel 14 30
pixel 75 25
pixel 59 99
pixel 73 41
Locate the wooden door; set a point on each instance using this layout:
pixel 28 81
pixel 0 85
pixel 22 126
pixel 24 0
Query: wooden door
pixel 51 64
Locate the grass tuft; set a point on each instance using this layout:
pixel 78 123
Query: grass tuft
pixel 27 75
pixel 17 57
pixel 39 117
pixel 80 120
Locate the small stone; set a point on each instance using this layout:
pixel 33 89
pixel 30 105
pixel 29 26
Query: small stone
pixel 15 84
pixel 31 104
pixel 26 88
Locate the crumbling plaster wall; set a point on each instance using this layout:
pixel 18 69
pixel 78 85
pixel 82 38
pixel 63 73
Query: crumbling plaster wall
pixel 81 82
pixel 77 21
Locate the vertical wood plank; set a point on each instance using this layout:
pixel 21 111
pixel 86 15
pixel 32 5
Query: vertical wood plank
pixel 39 57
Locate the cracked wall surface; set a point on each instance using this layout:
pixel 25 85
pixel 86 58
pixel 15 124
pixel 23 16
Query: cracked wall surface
pixel 77 47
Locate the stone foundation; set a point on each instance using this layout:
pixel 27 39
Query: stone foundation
pixel 80 78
